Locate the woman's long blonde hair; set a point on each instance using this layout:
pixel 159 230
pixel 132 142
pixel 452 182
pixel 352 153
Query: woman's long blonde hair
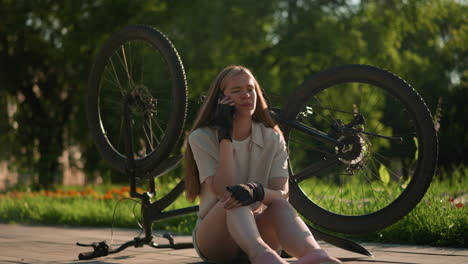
pixel 206 115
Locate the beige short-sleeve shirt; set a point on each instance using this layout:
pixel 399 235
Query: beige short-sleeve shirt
pixel 268 158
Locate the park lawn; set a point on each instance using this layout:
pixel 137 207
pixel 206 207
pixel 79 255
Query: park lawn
pixel 99 206
pixel 440 219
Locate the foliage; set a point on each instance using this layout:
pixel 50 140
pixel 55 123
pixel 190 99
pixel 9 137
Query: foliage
pixel 47 49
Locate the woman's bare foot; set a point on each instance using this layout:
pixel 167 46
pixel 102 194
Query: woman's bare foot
pixel 269 257
pixel 317 256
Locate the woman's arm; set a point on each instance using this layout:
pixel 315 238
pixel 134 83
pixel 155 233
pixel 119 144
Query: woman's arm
pixel 278 189
pixel 225 172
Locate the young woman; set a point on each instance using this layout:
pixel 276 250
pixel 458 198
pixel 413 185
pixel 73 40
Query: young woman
pixel 236 161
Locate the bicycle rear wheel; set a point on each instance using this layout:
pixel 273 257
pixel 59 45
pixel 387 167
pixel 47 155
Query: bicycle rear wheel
pixel 138 64
pixel 384 156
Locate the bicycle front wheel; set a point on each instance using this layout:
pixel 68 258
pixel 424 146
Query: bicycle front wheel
pixel 138 65
pixel 383 154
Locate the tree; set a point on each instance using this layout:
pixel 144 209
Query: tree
pixel 47 49
pixel 46 52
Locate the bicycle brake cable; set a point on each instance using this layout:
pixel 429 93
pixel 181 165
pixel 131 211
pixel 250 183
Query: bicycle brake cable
pixel 113 218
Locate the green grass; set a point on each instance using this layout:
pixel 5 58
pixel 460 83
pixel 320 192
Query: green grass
pixel 86 210
pixel 440 219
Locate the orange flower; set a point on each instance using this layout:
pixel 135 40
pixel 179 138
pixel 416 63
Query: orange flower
pixel 125 189
pixel 73 193
pixel 16 194
pixel 31 194
pixel 108 196
pixel 94 194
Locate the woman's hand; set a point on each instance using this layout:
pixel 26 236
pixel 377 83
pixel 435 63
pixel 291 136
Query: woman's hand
pixel 224 117
pixel 228 201
pixel 248 193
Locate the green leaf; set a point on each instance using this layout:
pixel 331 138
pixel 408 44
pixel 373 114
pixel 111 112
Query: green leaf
pixel 384 175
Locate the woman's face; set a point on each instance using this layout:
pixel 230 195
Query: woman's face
pixel 241 89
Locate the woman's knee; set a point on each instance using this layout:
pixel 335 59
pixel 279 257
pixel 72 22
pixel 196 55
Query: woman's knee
pixel 211 230
pixel 280 204
pixel 239 212
pixel 281 207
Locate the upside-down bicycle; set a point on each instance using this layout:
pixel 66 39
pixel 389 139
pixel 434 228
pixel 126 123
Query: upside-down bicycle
pixel 361 141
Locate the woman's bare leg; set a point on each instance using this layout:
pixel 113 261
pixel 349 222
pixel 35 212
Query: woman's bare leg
pixel 222 231
pixel 279 224
pixel 243 228
pixel 213 238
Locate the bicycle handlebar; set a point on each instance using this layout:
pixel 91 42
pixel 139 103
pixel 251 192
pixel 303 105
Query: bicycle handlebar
pixel 100 249
pixel 87 255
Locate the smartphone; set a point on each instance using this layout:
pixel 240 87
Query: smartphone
pixel 221 95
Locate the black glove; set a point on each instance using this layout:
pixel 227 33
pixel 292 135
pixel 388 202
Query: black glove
pixel 247 193
pixel 224 117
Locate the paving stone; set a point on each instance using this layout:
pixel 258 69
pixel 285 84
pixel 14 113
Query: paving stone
pixel 45 244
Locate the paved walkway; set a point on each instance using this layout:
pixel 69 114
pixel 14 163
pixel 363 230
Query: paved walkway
pixel 41 244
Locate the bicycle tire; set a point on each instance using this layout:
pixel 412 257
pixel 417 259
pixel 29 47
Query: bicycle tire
pixel 113 64
pixel 358 215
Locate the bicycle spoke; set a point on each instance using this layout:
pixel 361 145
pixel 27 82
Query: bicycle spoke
pixel 327 94
pixel 129 76
pixel 156 138
pixel 314 168
pixel 395 174
pixel 148 134
pixel 117 78
pixel 110 81
pixel 332 202
pixel 330 121
pixel 311 147
pixel 160 129
pixel 389 194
